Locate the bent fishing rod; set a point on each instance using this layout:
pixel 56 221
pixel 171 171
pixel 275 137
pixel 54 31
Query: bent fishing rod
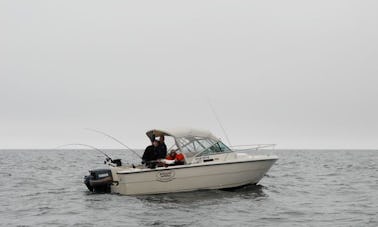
pixel 115 139
pixel 86 145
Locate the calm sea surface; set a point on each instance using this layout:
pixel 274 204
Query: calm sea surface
pixel 304 188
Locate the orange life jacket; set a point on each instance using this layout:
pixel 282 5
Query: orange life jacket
pixel 177 157
pixel 180 157
pixel 169 157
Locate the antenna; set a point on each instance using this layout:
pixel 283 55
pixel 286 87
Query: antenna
pixel 113 138
pixel 219 122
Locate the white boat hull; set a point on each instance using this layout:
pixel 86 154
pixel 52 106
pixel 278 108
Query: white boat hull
pixel 190 178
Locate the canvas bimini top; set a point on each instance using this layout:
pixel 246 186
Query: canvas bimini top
pixel 180 133
pixel 194 141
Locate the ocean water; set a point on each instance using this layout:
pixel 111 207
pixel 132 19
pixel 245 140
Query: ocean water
pixel 304 188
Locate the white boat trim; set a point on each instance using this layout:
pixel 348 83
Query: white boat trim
pixel 193 166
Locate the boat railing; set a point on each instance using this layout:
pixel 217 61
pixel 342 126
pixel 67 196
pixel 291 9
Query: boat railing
pixel 253 147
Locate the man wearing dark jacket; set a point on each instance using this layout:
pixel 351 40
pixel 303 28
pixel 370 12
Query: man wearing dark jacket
pixel 161 149
pixel 151 154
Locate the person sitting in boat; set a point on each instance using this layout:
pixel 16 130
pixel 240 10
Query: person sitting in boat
pixel 161 149
pixel 150 154
pixel 178 158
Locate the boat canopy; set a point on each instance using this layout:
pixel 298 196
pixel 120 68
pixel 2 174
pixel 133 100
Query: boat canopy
pixel 181 133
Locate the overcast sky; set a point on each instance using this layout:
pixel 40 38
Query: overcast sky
pixel 302 74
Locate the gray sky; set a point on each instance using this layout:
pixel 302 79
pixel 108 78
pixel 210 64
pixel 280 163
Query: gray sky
pixel 302 74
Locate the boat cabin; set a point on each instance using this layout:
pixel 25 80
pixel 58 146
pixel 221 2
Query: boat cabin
pixel 196 145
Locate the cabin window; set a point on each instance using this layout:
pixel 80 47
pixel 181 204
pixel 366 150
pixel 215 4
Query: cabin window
pixel 216 148
pixel 194 144
pixel 204 146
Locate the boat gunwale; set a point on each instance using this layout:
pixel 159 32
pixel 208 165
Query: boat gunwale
pixel 274 158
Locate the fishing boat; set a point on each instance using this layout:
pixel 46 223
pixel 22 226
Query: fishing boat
pixel 208 164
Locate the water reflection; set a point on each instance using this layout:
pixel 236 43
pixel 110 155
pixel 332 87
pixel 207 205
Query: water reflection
pixel 205 196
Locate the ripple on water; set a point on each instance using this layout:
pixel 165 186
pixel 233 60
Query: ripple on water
pixel 304 188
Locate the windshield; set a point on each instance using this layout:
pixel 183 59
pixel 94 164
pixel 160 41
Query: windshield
pixel 205 146
pixel 216 148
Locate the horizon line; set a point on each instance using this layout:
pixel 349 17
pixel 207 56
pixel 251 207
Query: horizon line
pixel 4 149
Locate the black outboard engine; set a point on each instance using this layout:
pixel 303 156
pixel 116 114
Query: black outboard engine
pixel 99 180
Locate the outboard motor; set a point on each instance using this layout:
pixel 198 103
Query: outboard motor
pixel 99 180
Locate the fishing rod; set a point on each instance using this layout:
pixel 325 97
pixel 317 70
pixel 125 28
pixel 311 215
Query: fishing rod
pixel 219 122
pixel 115 139
pixel 86 145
